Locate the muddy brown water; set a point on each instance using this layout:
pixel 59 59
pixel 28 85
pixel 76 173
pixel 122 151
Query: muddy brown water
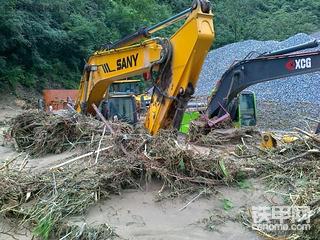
pixel 136 214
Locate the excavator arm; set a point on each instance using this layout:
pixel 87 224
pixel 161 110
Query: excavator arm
pixel 105 67
pixel 267 67
pixel 177 62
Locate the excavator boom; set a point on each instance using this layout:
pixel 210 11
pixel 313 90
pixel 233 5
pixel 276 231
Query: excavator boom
pixel 177 61
pixel 105 67
pixel 190 46
pixel 262 69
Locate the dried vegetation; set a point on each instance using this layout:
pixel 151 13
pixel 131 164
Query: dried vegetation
pixel 130 158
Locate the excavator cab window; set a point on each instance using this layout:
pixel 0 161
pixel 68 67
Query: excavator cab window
pixel 125 87
pixel 120 108
pixel 247 109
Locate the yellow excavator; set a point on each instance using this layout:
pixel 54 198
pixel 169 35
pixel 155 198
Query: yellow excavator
pixel 173 63
pixel 135 87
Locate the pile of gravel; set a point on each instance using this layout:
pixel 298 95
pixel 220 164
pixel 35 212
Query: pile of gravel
pixel 303 88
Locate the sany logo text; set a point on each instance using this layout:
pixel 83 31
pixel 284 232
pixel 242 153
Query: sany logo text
pixel 298 64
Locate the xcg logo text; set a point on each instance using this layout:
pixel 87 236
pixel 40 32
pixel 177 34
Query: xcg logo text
pixel 298 64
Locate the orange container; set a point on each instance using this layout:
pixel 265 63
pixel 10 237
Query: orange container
pixel 57 98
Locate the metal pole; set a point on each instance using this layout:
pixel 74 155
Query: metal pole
pixel 146 32
pixel 169 21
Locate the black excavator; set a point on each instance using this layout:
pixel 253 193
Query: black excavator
pixel 230 101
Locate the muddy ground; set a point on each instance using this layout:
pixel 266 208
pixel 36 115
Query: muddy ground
pixel 136 214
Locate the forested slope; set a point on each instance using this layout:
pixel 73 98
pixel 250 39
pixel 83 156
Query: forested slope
pixel 43 43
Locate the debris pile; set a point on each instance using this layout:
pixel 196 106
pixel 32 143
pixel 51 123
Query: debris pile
pixel 102 231
pixel 40 133
pixel 293 172
pixel 122 160
pixel 226 136
pixel 130 158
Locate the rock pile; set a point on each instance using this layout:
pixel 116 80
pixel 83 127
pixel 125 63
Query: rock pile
pixel 303 88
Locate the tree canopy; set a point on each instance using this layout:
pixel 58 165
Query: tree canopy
pixel 44 43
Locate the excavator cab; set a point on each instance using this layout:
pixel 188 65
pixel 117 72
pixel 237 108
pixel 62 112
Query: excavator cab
pixel 120 107
pixel 243 112
pixel 246 110
pixel 134 87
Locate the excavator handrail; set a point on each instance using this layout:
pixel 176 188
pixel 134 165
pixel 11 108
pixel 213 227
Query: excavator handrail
pixel 182 15
pixel 303 46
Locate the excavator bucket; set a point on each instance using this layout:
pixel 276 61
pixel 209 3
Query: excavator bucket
pixel 268 141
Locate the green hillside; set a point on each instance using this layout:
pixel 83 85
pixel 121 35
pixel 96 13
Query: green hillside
pixel 43 43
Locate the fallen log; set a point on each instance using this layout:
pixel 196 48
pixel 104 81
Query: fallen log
pixel 301 155
pixel 313 137
pixel 80 157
